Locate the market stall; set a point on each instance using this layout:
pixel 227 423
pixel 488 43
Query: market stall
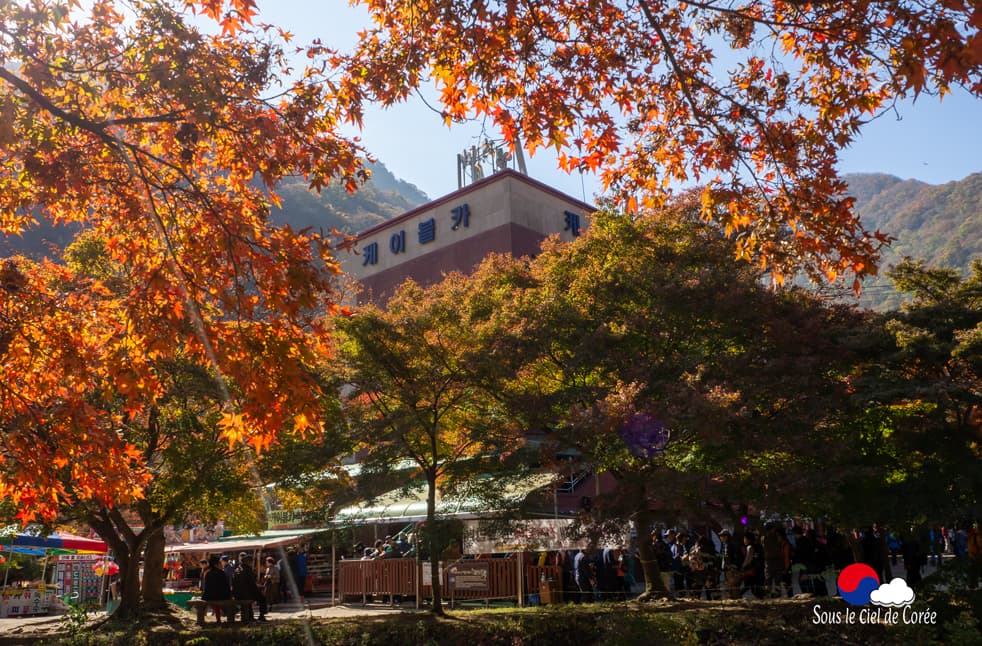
pixel 181 560
pixel 75 577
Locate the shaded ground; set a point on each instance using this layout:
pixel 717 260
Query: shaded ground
pixel 956 621
pixel 782 622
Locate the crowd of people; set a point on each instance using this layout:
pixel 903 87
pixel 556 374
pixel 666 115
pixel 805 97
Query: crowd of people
pixel 224 578
pixel 780 560
pixel 398 546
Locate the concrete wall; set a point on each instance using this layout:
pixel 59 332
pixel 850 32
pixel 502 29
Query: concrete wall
pixel 505 212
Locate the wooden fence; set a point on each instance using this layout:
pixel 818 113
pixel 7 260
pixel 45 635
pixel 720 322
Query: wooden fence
pixel 467 579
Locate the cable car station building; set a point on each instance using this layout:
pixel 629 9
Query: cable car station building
pixel 506 212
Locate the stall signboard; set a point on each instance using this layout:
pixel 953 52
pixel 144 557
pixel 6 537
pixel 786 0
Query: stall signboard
pixel 469 575
pixel 17 602
pixel 282 519
pixel 75 578
pixel 193 533
pixel 489 537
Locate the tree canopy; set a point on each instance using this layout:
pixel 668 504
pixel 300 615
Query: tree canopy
pixel 753 99
pixel 917 429
pixel 669 365
pixel 165 142
pixel 425 380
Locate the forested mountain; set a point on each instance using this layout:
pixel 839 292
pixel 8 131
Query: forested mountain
pixel 940 224
pixel 383 197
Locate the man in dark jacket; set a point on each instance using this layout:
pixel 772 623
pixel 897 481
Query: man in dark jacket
pixel 215 586
pixel 584 576
pixel 244 587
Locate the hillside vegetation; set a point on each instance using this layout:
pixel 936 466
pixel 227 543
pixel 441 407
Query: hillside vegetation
pixel 383 197
pixel 940 224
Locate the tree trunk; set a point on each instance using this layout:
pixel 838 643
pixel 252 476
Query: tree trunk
pixel 435 548
pixel 153 568
pixel 129 585
pixel 127 547
pixel 654 587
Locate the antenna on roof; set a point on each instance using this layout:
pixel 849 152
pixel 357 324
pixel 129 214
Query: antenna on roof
pixel 495 155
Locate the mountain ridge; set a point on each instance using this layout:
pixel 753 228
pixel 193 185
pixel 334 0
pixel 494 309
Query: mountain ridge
pixel 382 197
pixel 938 223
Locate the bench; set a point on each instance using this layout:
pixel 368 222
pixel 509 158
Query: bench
pixel 228 606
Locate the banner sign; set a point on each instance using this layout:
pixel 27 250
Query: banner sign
pixel 489 537
pixel 280 519
pixel 469 575
pixel 428 574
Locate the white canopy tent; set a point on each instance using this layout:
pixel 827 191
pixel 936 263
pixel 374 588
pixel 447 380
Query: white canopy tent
pixel 244 543
pixel 408 504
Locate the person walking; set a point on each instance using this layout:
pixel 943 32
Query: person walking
pixel 752 566
pixel 731 557
pixel 774 560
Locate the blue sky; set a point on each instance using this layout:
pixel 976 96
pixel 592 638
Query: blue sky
pixel 933 141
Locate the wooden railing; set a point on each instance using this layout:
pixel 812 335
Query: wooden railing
pixel 391 577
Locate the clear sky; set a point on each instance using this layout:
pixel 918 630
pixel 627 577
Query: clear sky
pixel 930 140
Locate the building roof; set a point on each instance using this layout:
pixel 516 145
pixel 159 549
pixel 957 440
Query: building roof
pixel 456 195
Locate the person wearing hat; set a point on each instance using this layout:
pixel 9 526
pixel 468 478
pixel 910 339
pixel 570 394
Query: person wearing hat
pixel 215 586
pixel 244 587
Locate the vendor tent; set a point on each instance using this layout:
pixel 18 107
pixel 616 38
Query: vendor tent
pixel 59 541
pixel 408 504
pixel 233 544
pixel 37 599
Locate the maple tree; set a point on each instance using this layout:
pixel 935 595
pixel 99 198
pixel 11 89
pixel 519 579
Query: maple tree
pixel 669 365
pixel 53 352
pixel 165 142
pixel 753 99
pixel 177 461
pixel 915 430
pixel 423 378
